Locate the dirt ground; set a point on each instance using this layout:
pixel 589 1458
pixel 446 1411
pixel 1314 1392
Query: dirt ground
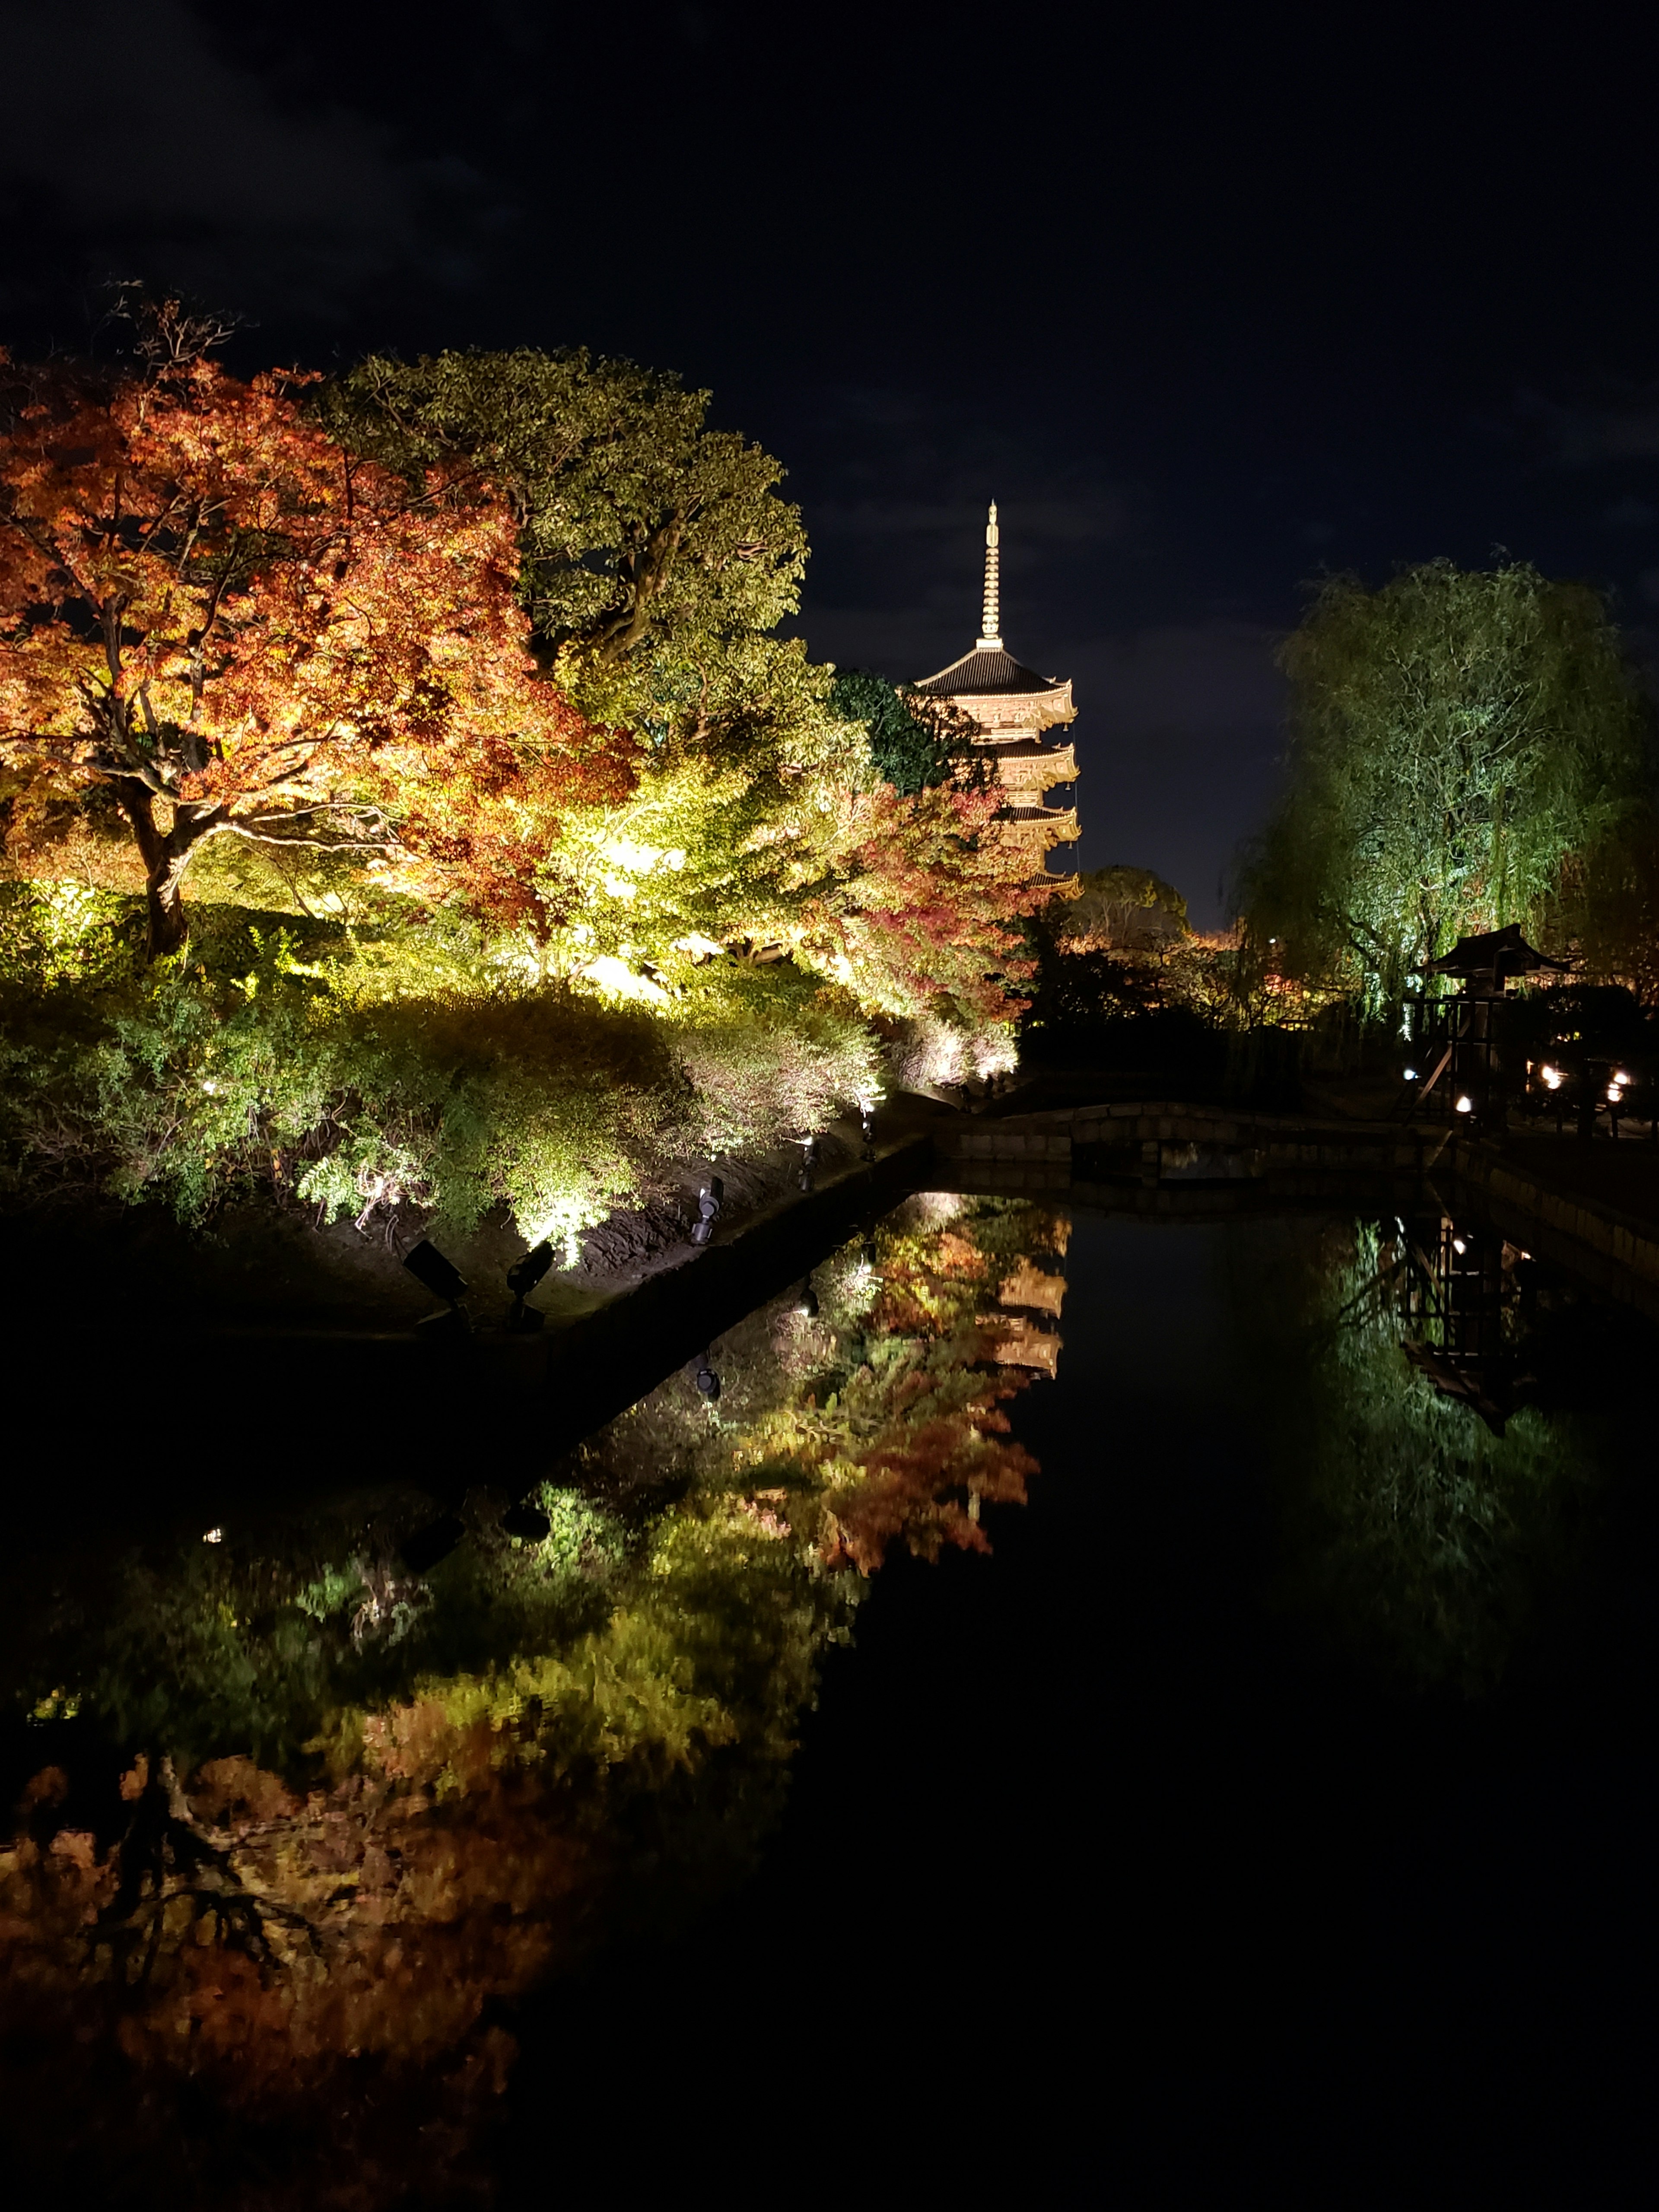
pixel 259 1264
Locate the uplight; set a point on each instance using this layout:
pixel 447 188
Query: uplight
pixel 1466 1105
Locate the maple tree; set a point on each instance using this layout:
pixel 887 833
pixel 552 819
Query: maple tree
pixel 218 613
pixel 925 904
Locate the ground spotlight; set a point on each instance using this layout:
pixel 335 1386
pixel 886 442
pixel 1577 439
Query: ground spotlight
pixel 522 1278
pixel 445 1280
pixel 707 1382
pixel 807 1304
pixel 710 1199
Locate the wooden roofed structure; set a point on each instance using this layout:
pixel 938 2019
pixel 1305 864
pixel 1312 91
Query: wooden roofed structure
pixel 1013 710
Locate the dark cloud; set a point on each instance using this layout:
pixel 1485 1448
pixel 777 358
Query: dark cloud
pixel 1620 424
pixel 133 135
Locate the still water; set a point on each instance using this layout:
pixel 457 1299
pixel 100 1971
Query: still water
pixel 1080 1690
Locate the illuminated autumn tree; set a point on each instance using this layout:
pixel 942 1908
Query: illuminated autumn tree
pixel 925 904
pixel 214 612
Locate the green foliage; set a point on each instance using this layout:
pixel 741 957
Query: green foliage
pixel 646 536
pixel 1454 738
pixel 1420 1535
pixel 908 752
pixel 1607 905
pixel 769 1051
pixel 411 1063
pixel 1105 895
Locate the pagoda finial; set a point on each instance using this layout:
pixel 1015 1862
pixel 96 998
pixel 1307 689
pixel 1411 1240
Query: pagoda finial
pixel 990 638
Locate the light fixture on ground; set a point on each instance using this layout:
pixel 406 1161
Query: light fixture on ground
pixel 522 1278
pixel 710 1199
pixel 807 1304
pixel 707 1382
pixel 445 1280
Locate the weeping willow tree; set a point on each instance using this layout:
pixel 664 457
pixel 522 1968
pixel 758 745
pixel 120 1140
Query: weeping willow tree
pixel 1454 736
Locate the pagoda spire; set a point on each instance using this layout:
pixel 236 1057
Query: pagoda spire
pixel 991 622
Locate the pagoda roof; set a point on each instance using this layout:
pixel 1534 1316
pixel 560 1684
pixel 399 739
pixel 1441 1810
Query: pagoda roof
pixel 1012 745
pixel 1500 951
pixel 985 670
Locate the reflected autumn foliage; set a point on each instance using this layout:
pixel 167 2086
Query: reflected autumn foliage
pixel 295 1821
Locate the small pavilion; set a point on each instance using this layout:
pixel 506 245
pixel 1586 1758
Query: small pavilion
pixel 1013 710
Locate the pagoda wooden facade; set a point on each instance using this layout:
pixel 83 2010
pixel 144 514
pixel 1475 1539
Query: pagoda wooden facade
pixel 1014 709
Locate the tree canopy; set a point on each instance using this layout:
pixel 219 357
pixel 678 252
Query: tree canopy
pixel 915 742
pixel 646 536
pixel 236 625
pixel 1454 736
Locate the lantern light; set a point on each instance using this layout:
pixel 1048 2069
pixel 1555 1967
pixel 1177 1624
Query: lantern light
pixel 1466 1105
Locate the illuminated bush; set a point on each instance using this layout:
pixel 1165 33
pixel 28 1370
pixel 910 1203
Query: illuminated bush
pixel 397 1064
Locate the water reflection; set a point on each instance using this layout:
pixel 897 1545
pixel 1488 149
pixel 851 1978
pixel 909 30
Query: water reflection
pixel 1431 1421
pixel 300 1801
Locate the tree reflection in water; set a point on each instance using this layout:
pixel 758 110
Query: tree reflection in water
pixel 1432 1455
pixel 295 1819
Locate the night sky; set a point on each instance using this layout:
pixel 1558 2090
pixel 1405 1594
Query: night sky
pixel 1207 309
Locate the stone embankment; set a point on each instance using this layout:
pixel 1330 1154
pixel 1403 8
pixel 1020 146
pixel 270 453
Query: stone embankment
pixel 1615 1250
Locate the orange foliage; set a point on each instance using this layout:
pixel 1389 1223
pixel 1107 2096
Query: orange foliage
pixel 929 902
pixel 211 608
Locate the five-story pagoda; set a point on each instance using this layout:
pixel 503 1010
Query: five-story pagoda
pixel 1013 708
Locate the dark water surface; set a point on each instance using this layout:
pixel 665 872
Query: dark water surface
pixel 1203 1837
pixel 1272 1807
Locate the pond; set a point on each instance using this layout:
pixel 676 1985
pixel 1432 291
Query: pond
pixel 1077 1662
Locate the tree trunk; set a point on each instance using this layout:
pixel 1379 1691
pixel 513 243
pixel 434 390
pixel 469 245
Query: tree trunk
pixel 164 860
pixel 164 908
